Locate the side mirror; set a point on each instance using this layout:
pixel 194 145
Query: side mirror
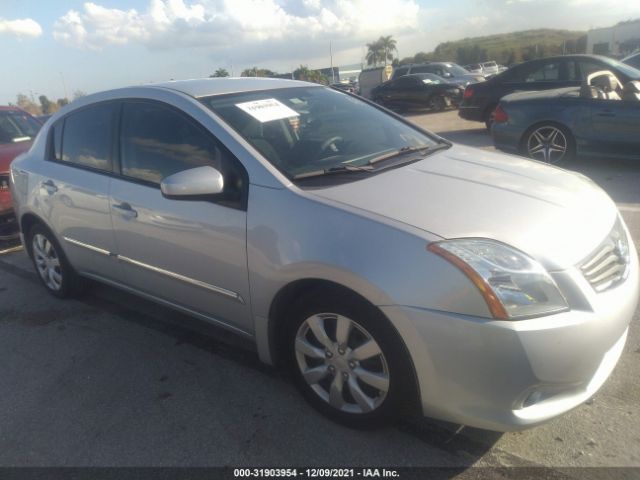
pixel 193 183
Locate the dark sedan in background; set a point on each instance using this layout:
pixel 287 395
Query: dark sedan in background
pixel 420 90
pixel 597 119
pixel 480 100
pixel 451 72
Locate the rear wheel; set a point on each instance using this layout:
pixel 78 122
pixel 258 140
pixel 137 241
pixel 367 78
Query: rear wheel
pixel 548 142
pixel 53 268
pixel 348 361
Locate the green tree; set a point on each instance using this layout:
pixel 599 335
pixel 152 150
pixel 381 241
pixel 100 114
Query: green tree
pixel 46 105
pixel 221 72
pixel 26 104
pixel 304 73
pixel 257 72
pixel 421 57
pixel 62 102
pixel 79 94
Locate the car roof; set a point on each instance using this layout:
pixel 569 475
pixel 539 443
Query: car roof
pixel 205 87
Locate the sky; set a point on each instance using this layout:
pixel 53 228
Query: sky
pixel 55 47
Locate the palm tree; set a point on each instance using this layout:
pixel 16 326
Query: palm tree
pixel 221 72
pixel 375 52
pixel 388 45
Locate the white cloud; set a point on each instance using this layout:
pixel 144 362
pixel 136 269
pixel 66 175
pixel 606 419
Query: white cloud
pixel 232 23
pixel 21 28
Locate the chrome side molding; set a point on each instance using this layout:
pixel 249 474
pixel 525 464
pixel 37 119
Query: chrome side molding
pixel 213 288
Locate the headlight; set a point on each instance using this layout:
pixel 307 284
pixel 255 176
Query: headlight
pixel 513 284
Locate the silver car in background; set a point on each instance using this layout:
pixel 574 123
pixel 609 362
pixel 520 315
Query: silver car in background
pixel 384 266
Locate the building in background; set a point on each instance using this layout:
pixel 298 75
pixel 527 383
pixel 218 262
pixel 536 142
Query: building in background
pixel 619 40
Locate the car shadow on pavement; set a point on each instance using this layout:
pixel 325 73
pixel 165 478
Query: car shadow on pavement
pixel 191 393
pixel 468 444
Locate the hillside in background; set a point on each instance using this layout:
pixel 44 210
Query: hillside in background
pixel 507 48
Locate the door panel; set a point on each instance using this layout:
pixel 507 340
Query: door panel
pixel 191 253
pixel 616 127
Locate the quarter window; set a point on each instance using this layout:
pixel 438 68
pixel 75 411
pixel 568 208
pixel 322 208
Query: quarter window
pixel 87 137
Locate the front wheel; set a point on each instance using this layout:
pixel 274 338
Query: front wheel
pixel 437 103
pixel 550 143
pixel 348 361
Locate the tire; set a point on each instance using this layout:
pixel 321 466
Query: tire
pixel 51 264
pixel 544 141
pixel 489 115
pixel 371 386
pixel 437 103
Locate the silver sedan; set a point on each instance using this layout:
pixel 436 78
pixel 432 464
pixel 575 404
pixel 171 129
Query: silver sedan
pixel 385 266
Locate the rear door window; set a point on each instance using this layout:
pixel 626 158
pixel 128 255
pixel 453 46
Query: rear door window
pixel 87 137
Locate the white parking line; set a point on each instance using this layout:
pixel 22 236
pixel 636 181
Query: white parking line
pixel 17 248
pixel 629 207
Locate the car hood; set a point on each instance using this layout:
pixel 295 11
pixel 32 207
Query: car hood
pixel 554 215
pixel 9 151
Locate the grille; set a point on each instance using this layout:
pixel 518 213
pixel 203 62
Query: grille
pixel 608 265
pixel 4 183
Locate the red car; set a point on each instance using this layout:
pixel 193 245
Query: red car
pixel 17 130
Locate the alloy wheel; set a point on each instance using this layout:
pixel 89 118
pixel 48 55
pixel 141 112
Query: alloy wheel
pixel 342 363
pixel 547 143
pixel 47 262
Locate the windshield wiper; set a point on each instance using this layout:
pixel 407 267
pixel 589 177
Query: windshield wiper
pixel 333 170
pixel 407 150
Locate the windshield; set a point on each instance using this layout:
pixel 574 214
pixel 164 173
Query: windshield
pixel 16 126
pixel 306 129
pixel 456 70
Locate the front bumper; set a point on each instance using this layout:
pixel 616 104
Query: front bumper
pixel 510 375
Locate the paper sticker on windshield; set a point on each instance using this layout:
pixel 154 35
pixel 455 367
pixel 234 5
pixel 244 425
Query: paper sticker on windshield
pixel 267 110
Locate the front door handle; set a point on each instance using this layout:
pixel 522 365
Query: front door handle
pixel 50 186
pixel 126 210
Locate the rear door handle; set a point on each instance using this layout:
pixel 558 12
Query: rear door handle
pixel 606 113
pixel 50 186
pixel 125 210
